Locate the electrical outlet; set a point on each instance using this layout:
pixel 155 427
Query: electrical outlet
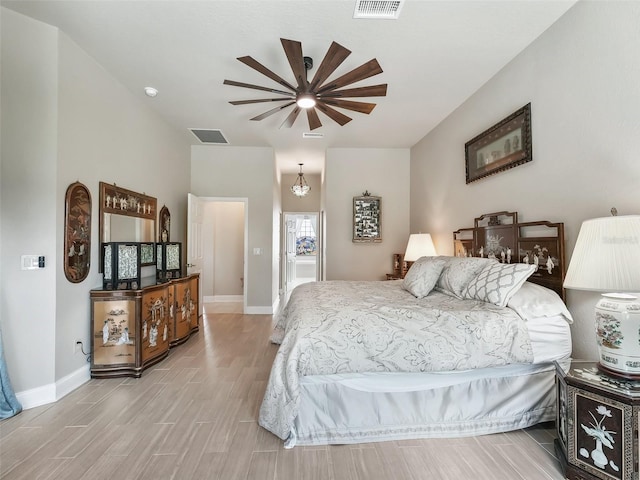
pixel 77 346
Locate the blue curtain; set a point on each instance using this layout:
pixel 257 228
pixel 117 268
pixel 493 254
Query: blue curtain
pixel 9 404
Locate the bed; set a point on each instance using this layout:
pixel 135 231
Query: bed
pixel 463 345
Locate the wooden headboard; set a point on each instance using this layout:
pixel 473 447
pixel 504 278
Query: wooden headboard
pixel 500 235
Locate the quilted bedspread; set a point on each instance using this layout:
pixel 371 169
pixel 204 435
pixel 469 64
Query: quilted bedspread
pixel 356 326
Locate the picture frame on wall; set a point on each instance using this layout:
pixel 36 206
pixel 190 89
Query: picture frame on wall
pixel 367 219
pixel 505 145
pixel 77 232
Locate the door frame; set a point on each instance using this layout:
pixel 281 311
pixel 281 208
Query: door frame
pixel 245 267
pixel 283 247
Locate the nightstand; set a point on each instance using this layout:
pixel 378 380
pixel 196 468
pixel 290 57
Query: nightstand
pixel 394 276
pixel 596 423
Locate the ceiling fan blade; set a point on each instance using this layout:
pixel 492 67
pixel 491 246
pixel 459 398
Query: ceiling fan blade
pixel 314 120
pixel 259 100
pixel 255 87
pixel 291 118
pixel 250 62
pixel 366 70
pixel 361 107
pixel 293 50
pixel 371 91
pixel 332 60
pixel 271 112
pixel 335 115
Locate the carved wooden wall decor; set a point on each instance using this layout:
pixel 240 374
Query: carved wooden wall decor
pixel 77 232
pixel 164 229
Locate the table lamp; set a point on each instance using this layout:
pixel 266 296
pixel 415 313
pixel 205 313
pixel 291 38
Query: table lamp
pixel 606 258
pixel 419 245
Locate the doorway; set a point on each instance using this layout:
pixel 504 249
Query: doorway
pixel 301 249
pixel 223 233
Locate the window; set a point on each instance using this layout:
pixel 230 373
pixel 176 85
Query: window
pixel 305 237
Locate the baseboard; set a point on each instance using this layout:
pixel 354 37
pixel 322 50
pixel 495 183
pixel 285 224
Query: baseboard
pixel 222 298
pixel 68 384
pixel 263 310
pixel 36 397
pixel 53 392
pixel 258 310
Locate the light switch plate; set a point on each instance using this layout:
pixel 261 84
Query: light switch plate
pixel 32 262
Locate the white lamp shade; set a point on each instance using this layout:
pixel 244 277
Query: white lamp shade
pixel 419 245
pixel 606 257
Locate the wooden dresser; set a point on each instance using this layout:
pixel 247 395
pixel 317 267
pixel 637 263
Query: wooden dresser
pixel 134 329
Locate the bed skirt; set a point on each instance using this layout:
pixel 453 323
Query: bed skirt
pixel 360 408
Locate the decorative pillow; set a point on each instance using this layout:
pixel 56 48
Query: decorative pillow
pixel 457 274
pixel 423 275
pixel 498 282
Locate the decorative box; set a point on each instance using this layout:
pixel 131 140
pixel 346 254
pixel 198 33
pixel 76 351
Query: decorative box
pixel 121 265
pixel 168 261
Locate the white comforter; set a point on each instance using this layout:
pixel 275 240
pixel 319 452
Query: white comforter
pixel 338 327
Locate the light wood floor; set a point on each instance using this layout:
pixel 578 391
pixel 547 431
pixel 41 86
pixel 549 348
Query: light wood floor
pixel 193 416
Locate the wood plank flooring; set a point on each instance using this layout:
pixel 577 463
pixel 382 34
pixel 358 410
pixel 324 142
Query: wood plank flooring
pixel 194 416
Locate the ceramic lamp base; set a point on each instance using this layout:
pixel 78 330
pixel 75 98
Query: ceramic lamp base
pixel 618 335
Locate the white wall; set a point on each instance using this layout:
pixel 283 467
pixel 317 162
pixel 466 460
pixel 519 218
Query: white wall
pixel 310 203
pixel 349 172
pixel 228 244
pixel 244 172
pixel 29 167
pixel 65 119
pixel 223 243
pixel 581 77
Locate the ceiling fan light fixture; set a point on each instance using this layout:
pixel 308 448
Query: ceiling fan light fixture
pixel 300 188
pixel 306 100
pixel 318 94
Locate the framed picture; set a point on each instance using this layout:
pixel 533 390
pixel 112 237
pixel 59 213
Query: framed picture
pixel 505 145
pixel 77 232
pixel 367 221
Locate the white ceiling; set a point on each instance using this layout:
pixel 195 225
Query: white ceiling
pixel 434 57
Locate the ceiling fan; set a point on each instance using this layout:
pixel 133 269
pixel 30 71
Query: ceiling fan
pixel 317 94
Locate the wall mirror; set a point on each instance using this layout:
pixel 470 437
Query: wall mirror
pixel 126 216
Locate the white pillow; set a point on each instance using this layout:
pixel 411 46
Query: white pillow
pixel 423 275
pixel 458 272
pixel 535 301
pixel 498 282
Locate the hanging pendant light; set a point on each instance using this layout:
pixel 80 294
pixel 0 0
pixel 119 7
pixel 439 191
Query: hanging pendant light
pixel 300 188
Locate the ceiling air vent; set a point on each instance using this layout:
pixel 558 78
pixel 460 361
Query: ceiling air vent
pixel 211 137
pixel 381 9
pixel 312 135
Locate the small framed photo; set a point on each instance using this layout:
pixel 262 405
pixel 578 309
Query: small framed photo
pixel 505 145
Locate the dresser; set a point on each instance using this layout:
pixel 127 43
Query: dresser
pixel 134 329
pixel 596 424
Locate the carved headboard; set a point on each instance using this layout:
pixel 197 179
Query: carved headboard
pixel 500 235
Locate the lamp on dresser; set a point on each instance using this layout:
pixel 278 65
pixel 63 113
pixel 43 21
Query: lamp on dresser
pixel 419 245
pixel 168 261
pixel 606 258
pixel 121 265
